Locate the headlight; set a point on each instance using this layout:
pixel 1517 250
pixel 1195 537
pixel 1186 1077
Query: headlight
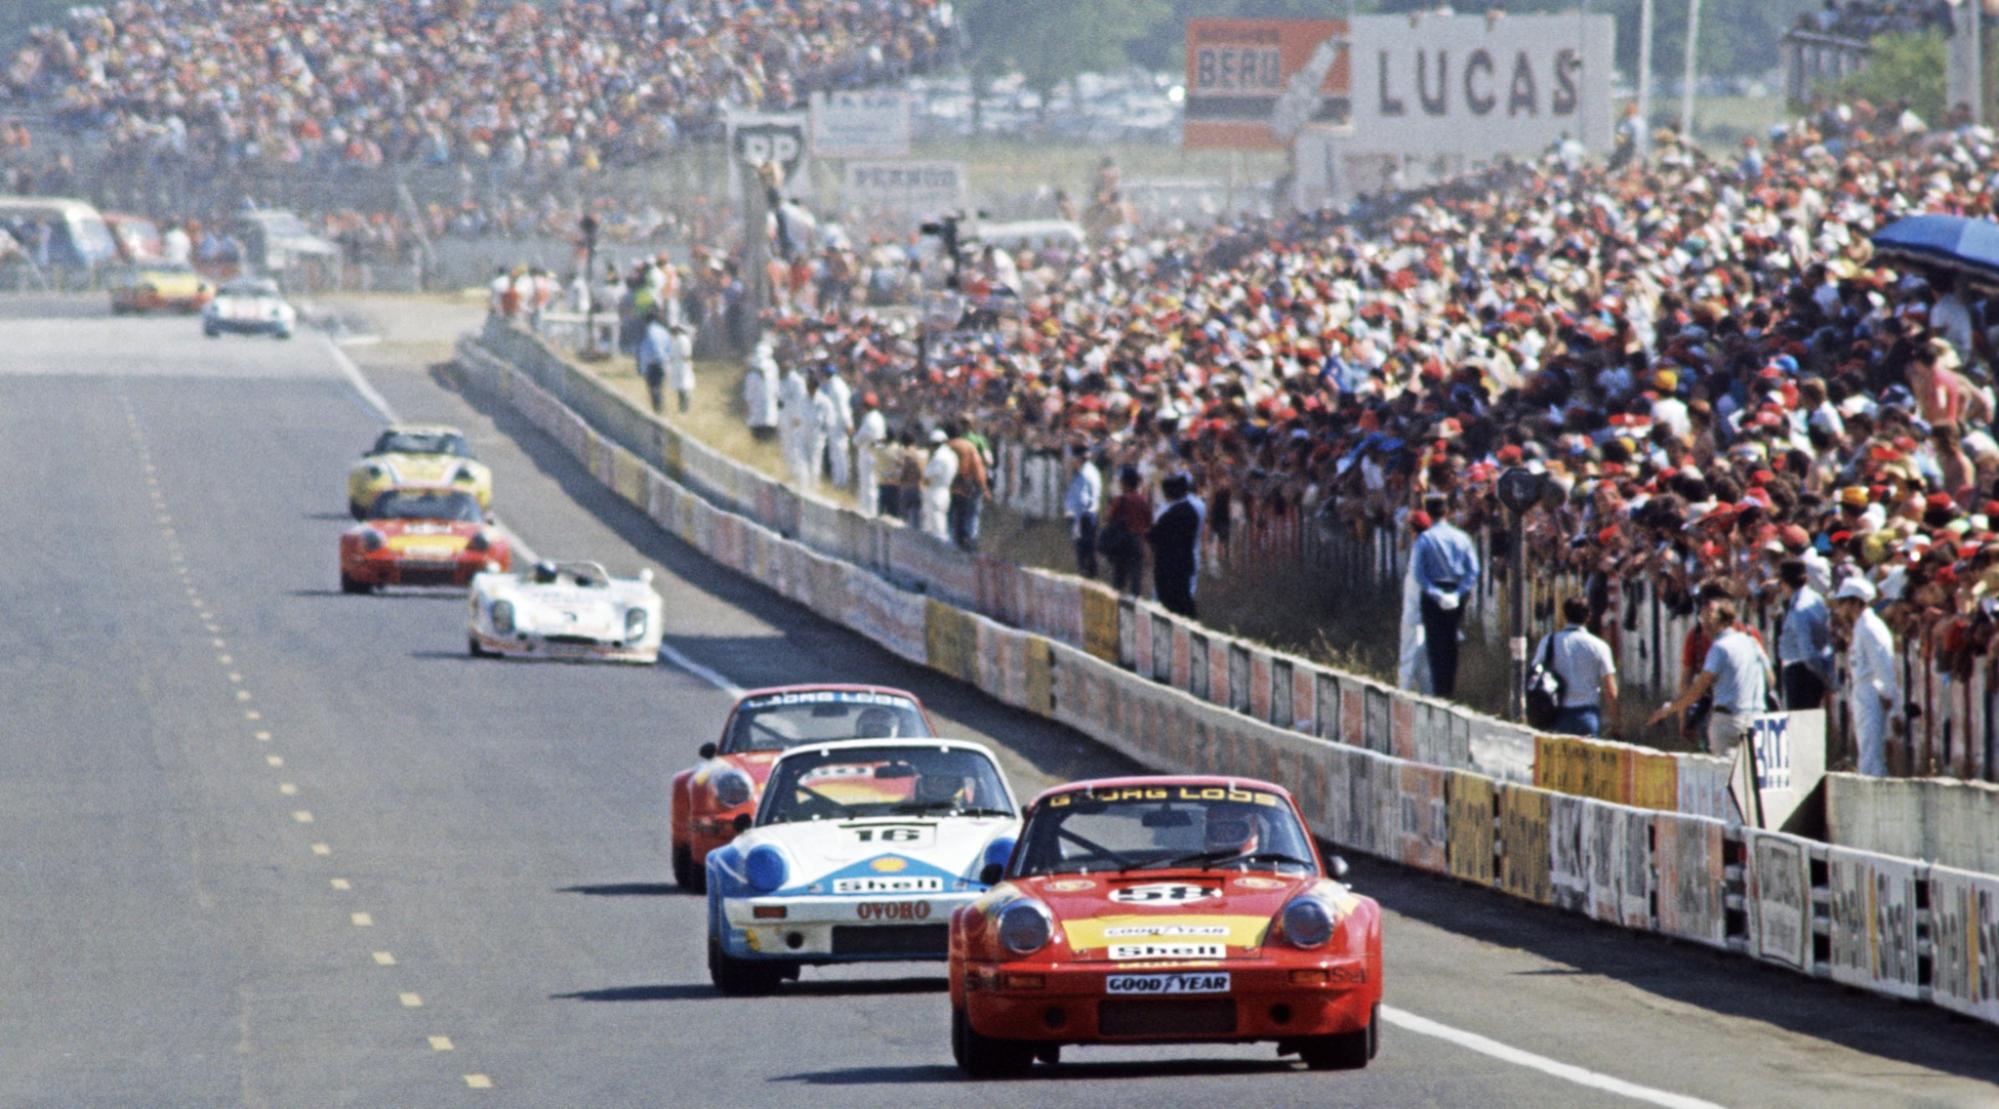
pixel 503 617
pixel 464 475
pixel 732 788
pixel 1024 927
pixel 371 540
pixel 635 623
pixel 765 868
pixel 1307 921
pixel 479 542
pixel 375 471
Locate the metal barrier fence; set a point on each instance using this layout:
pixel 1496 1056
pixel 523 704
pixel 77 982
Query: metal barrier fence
pixel 1605 845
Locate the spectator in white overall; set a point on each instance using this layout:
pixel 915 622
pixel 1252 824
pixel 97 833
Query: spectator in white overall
pixel 795 401
pixel 870 435
pixel 1412 671
pixel 760 392
pixel 840 426
pixel 1874 689
pixel 938 474
pixel 680 365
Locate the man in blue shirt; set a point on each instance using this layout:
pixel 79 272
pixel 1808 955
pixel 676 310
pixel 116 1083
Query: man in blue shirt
pixel 1738 673
pixel 1804 646
pixel 1081 504
pixel 1446 568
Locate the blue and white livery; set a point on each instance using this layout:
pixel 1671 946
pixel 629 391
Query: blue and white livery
pixel 860 850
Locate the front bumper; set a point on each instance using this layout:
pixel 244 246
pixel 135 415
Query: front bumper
pixel 396 571
pixel 247 327
pixel 1267 999
pixel 891 927
pixel 527 645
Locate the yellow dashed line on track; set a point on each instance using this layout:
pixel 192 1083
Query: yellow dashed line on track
pixel 362 920
pixel 287 788
pixel 273 760
pixel 263 737
pixel 212 629
pixel 208 616
pixel 235 677
pixel 303 816
pixel 410 1000
pixel 220 642
pixel 225 659
pixel 321 849
pixel 252 714
pixel 478 1082
pixel 242 695
pixel 384 959
pixel 441 1043
pixel 341 884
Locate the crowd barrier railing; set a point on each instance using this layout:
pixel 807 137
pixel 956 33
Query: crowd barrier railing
pixel 1601 843
pixel 1224 671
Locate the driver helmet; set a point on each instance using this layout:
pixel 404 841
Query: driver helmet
pixel 1230 832
pixel 544 572
pixel 875 722
pixel 938 789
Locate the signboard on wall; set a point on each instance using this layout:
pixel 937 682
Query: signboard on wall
pixel 914 188
pixel 1788 753
pixel 1237 69
pixel 1478 86
pixel 861 123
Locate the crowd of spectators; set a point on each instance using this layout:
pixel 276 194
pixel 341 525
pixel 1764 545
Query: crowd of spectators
pixel 578 84
pixel 1703 355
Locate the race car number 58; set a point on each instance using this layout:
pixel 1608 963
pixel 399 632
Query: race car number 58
pixel 1167 983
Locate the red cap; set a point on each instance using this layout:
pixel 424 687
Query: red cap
pixel 1419 520
pixel 1937 500
pixel 1509 455
pixel 869 400
pixel 1794 537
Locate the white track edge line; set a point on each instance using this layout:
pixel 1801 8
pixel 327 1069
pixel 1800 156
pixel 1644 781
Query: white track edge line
pixel 352 373
pixel 1568 1072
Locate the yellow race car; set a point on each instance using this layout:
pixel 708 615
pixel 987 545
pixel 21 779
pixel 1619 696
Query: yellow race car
pixel 417 454
pixel 159 286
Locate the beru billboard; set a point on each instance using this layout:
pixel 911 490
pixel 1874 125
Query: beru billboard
pixel 1478 87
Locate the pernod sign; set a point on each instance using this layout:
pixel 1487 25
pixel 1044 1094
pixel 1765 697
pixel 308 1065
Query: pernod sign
pixel 1477 86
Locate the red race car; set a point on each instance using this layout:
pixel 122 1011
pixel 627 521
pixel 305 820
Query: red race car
pixel 420 536
pixel 1164 910
pixel 714 801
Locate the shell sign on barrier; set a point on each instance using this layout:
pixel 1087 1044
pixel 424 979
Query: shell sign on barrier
pixel 1687 855
pixel 1469 854
pixel 1964 931
pixel 1523 839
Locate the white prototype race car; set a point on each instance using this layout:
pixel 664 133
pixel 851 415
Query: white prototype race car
pixel 249 306
pixel 860 851
pixel 566 610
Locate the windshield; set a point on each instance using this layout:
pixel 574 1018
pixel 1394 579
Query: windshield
pixel 1158 826
pixel 251 287
pixel 784 720
pixel 883 781
pixel 411 504
pixel 422 442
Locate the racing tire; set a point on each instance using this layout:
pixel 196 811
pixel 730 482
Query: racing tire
pixel 987 1056
pixel 1346 1050
pixel 685 874
pixel 356 511
pixel 281 336
pixel 472 648
pixel 349 585
pixel 211 331
pixel 1048 1054
pixel 740 977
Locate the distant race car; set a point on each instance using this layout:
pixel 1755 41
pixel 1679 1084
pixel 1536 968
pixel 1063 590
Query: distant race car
pixel 1165 910
pixel 566 610
pixel 159 286
pixel 249 306
pixel 417 454
pixel 860 851
pixel 419 536
pixel 709 799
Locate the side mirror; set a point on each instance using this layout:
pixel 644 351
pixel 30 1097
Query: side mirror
pixel 706 751
pixel 991 873
pixel 1339 868
pixel 743 822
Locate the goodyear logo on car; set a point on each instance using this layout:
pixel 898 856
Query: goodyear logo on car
pixel 1218 929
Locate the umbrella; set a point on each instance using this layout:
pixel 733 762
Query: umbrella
pixel 1969 246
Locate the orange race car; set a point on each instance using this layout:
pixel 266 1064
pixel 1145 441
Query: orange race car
pixel 1164 910
pixel 713 802
pixel 420 536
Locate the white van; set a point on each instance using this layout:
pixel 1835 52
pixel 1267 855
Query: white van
pixel 79 239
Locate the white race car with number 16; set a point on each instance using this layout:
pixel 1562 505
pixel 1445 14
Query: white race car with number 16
pixel 859 851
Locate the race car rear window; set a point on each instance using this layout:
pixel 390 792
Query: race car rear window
pixel 781 721
pixel 403 504
pixel 404 442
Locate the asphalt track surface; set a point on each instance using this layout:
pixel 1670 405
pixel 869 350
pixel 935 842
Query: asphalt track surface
pixel 261 843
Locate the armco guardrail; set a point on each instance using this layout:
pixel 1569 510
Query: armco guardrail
pixel 1893 926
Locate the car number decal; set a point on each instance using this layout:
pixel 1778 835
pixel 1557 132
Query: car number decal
pixel 1211 982
pixel 1163 893
pixel 1168 950
pixel 889 885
